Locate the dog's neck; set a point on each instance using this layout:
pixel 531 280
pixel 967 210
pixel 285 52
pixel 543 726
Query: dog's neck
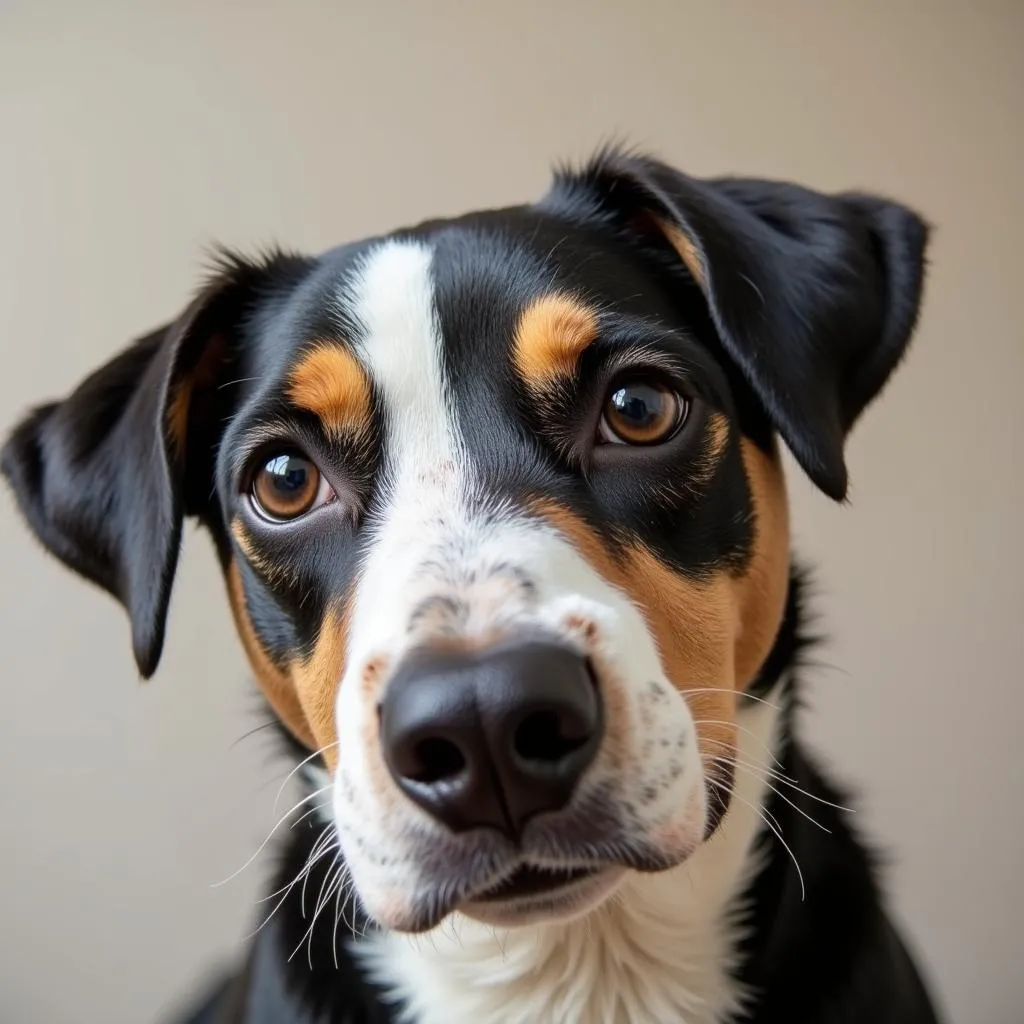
pixel 663 948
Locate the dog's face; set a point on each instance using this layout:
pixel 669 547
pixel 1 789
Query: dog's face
pixel 491 449
pixel 500 508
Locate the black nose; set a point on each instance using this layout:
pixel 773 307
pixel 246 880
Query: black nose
pixel 492 737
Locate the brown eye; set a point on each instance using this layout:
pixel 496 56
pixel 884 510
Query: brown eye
pixel 286 486
pixel 641 412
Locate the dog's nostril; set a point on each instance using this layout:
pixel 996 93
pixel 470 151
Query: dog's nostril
pixel 437 759
pixel 545 737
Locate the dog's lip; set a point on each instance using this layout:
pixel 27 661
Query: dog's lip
pixel 524 883
pixel 530 880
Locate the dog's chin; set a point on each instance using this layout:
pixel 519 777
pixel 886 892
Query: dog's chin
pixel 542 886
pixel 527 896
pixel 562 902
pixel 532 892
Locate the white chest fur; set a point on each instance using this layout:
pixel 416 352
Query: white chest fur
pixel 660 950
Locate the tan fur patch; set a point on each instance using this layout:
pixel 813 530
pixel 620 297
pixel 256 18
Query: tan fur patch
pixel 760 593
pixel 302 693
pixel 177 417
pixel 317 680
pixel 552 333
pixel 691 623
pixel 712 635
pixel 329 383
pixel 179 401
pixel 275 683
pixel 688 251
pixel 694 627
pixel 717 437
pixel 272 573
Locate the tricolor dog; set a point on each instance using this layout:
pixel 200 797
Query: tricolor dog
pixel 503 526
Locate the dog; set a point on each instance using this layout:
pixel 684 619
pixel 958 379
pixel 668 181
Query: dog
pixel 502 519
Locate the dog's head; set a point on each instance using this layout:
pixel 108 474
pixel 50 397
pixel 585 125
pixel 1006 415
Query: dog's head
pixel 499 506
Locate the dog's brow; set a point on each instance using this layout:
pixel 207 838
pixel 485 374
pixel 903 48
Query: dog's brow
pixel 328 382
pixel 551 334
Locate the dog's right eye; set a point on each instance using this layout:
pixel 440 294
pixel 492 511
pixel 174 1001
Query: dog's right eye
pixel 288 485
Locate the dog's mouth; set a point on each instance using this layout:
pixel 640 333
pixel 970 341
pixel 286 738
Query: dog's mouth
pixel 534 881
pixel 529 891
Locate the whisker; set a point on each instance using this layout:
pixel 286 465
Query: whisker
pixel 263 924
pixel 320 849
pixel 288 886
pixel 252 732
pixel 298 768
pixel 735 693
pixel 799 810
pixel 775 829
pixel 287 889
pixel 741 728
pixel 757 770
pixel 828 666
pixel 349 890
pixel 322 901
pixel 306 814
pixel 335 890
pixel 263 845
pixel 308 865
pixel 783 780
pixel 338 913
pixel 731 755
pixel 308 933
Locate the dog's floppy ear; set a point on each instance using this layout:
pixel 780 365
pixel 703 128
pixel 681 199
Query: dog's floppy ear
pixel 814 296
pixel 101 476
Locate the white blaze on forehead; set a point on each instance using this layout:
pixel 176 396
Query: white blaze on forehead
pixel 399 343
pixel 392 299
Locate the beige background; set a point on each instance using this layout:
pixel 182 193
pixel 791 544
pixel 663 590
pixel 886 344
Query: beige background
pixel 131 137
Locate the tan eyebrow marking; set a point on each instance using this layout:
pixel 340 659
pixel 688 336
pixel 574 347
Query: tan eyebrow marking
pixel 330 383
pixel 551 334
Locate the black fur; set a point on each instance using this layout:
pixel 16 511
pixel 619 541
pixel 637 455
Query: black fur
pixel 796 310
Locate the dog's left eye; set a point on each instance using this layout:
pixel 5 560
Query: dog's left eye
pixel 641 412
pixel 288 485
